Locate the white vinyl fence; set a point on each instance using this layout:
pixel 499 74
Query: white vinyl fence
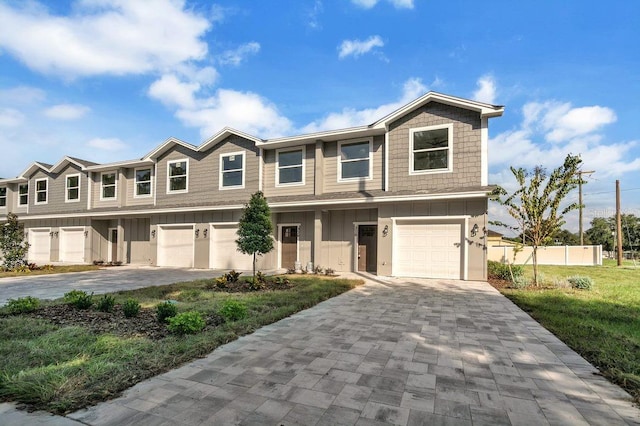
pixel 550 255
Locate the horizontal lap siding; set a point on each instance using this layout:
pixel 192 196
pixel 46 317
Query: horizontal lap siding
pixel 330 169
pixel 56 186
pixel 269 176
pixel 129 181
pixel 96 190
pixel 466 149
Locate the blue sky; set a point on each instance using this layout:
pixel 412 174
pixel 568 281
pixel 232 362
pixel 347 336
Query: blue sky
pixel 109 80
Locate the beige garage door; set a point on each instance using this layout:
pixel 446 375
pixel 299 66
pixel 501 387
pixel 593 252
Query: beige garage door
pixel 224 252
pixel 175 246
pixel 39 246
pixel 72 245
pixel 427 250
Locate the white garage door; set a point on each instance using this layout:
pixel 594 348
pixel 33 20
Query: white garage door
pixel 224 252
pixel 72 245
pixel 427 250
pixel 175 246
pixel 39 246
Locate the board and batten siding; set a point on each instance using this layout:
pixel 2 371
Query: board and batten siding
pixel 338 236
pixel 330 169
pixel 270 170
pixel 466 149
pixel 203 174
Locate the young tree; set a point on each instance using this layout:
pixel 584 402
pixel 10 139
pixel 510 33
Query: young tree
pixel 13 246
pixel 255 228
pixel 535 205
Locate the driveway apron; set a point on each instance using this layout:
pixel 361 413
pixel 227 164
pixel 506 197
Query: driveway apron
pixel 412 352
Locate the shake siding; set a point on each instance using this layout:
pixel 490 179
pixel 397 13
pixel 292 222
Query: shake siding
pixel 330 169
pixel 270 170
pixel 466 149
pixel 203 174
pixel 130 187
pixel 56 189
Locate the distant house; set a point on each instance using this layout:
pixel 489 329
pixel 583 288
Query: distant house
pixel 403 196
pixel 497 239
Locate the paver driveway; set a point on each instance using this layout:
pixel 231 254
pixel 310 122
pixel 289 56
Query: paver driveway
pixel 420 352
pixel 101 281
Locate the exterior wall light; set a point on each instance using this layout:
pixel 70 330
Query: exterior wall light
pixel 474 230
pixel 205 232
pixel 385 231
pixel 197 233
pixel 153 233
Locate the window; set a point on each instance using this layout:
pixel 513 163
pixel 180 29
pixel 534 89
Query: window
pixel 177 176
pixel 109 185
pixel 3 197
pixel 290 167
pixel 41 191
pixel 232 170
pixel 73 188
pixel 143 183
pixel 354 160
pixel 431 149
pixel 23 194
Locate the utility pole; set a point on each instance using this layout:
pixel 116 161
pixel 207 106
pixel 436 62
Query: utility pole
pixel 618 223
pixel 580 173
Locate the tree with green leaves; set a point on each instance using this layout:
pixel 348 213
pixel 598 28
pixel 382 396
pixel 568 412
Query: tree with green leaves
pixel 13 246
pixel 536 204
pixel 255 228
pixel 601 232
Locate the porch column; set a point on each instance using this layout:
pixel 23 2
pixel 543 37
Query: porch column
pixel 317 238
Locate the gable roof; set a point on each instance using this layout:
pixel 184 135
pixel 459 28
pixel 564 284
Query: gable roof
pixel 82 164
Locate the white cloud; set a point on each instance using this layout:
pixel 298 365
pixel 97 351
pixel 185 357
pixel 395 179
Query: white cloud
pixel 107 144
pixel 103 36
pixel 398 4
pixel 357 48
pixel 350 117
pixel 22 95
pixel 486 91
pixel 10 117
pixel 172 92
pixel 313 15
pixel 67 111
pixel 237 56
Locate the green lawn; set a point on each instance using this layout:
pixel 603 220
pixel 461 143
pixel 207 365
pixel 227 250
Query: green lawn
pixel 602 324
pixel 53 270
pixel 61 369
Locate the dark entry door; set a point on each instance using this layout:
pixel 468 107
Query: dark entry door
pixel 114 245
pixel 289 246
pixel 368 248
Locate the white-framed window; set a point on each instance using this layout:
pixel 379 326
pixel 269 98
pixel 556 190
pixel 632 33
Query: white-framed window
pixel 178 176
pixel 430 149
pixel 42 191
pixel 23 194
pixel 355 160
pixel 3 196
pixel 108 185
pixel 232 170
pixel 290 167
pixel 143 183
pixel 72 188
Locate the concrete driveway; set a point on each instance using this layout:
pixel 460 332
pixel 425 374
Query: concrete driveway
pixel 102 281
pixel 408 353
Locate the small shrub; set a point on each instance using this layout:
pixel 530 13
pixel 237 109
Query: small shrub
pixel 281 280
pixel 233 310
pixel 580 282
pixel 106 303
pixel 291 271
pixel 79 299
pixel 131 307
pixel 520 282
pixel 500 270
pixel 47 268
pixel 561 283
pixel 23 305
pixel 98 262
pixel 21 269
pixel 317 270
pixel 32 266
pixel 260 277
pixel 232 276
pixel 166 310
pixel 329 271
pixel 186 323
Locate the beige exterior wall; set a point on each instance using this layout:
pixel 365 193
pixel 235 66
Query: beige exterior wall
pixel 136 239
pixel 330 165
pixel 338 237
pixel 466 147
pixel 129 186
pixel 550 255
pixel 269 176
pixel 96 190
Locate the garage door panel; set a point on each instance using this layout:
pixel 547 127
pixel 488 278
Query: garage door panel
pixel 224 252
pixel 39 246
pixel 72 245
pixel 428 250
pixel 175 246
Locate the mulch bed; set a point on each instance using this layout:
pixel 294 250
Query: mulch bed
pixel 499 284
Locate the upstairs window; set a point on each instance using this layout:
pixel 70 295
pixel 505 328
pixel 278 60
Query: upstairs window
pixel 42 191
pixel 109 185
pixel 232 170
pixel 431 149
pixel 72 188
pixel 143 183
pixel 3 197
pixel 354 160
pixel 177 175
pixel 23 194
pixel 290 167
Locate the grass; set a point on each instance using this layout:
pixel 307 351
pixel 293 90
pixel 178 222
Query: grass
pixel 62 369
pixel 602 325
pixel 54 270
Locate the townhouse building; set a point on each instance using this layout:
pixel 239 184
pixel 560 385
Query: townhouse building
pixel 406 196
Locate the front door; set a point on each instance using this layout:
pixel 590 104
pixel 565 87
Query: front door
pixel 289 246
pixel 368 248
pixel 113 239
